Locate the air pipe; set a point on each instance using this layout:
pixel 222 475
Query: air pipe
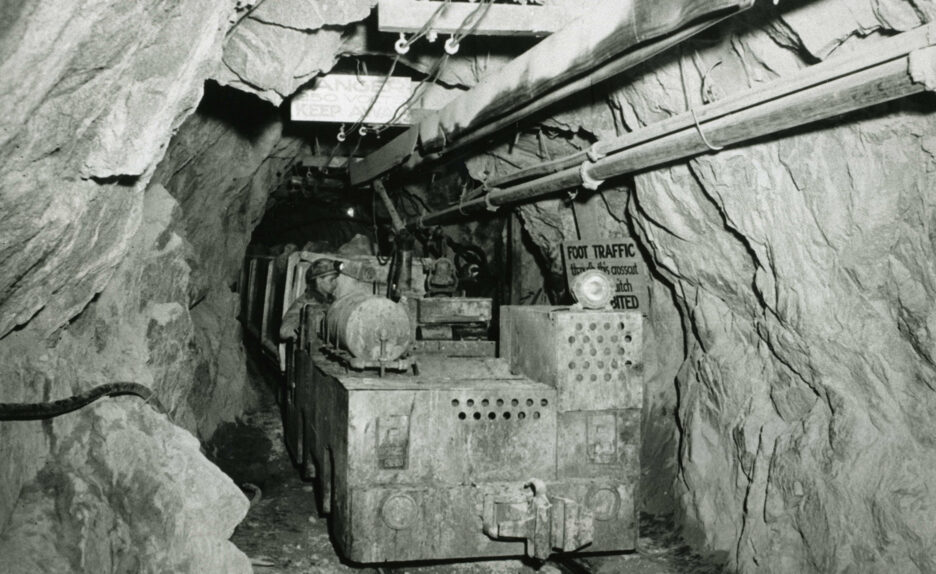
pixel 895 68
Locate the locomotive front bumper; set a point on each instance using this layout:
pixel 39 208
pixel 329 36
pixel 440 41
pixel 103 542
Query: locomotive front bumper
pixel 533 518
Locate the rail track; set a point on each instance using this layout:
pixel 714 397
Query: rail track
pixel 562 565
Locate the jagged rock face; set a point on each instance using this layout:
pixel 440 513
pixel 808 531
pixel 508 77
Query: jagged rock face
pixel 101 281
pixel 128 492
pixel 276 46
pixel 283 45
pixel 138 329
pixel 92 94
pixel 802 268
pixel 221 167
pixel 167 318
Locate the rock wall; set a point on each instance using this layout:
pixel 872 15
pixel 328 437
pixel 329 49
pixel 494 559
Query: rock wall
pixel 104 276
pixel 92 94
pixel 221 167
pixel 802 269
pixel 117 486
pixel 128 492
pixel 167 318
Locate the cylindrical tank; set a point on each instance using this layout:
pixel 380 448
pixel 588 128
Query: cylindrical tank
pixel 369 327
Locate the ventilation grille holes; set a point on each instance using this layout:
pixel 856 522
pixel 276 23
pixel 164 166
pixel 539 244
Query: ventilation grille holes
pixel 602 350
pixel 499 409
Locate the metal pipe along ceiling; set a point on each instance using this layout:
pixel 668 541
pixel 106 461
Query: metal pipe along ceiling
pixel 615 36
pixel 899 67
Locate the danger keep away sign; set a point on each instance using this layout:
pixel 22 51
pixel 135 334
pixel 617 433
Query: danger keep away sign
pixel 619 258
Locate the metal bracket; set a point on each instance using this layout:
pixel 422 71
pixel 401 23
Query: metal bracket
pixel 392 441
pixel 544 522
pixel 487 202
pixel 594 154
pixel 922 67
pixel 588 182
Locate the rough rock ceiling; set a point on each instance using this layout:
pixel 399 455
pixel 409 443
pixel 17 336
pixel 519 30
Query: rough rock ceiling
pixel 277 46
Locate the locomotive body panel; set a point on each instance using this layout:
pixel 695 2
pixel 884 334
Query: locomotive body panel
pixel 593 359
pixel 413 457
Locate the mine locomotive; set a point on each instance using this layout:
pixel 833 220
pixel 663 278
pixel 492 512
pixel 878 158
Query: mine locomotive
pixel 428 445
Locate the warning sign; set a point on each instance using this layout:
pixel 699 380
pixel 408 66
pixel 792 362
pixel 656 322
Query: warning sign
pixel 345 98
pixel 618 258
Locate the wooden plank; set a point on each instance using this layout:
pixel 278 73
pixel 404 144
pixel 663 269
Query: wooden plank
pixel 347 97
pixel 589 212
pixel 515 239
pixel 397 151
pixel 456 348
pixel 500 20
pixel 455 310
pixel 320 161
pixel 395 219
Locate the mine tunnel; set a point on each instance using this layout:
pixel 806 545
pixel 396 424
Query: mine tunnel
pixel 480 286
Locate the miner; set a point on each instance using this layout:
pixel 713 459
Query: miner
pixel 321 284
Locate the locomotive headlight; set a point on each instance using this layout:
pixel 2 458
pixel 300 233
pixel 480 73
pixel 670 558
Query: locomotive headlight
pixel 399 511
pixel 604 503
pixel 593 289
pixel 350 212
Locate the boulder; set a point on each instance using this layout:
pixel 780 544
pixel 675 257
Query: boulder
pixel 128 492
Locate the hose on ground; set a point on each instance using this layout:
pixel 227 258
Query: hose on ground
pixel 37 411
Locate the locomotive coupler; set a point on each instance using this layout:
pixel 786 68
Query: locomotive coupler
pixel 545 523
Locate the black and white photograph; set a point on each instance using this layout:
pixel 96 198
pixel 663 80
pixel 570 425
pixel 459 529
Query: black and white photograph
pixel 468 286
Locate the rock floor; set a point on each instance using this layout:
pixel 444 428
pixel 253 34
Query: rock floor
pixel 284 534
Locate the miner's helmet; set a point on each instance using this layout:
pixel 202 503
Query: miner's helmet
pixel 322 268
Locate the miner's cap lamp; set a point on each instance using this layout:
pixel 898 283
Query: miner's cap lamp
pixel 323 267
pixel 593 289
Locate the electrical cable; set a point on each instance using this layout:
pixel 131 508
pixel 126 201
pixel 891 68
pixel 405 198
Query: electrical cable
pixel 357 145
pixel 373 102
pixel 431 78
pixel 380 260
pixel 419 202
pixel 458 36
pixel 422 32
pixel 51 409
pixel 436 71
pixel 428 25
pixel 331 156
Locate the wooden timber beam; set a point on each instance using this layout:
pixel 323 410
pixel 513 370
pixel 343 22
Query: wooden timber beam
pixel 322 161
pixel 899 67
pixel 607 32
pixel 377 163
pixel 501 20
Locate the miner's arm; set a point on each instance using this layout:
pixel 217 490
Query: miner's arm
pixel 289 328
